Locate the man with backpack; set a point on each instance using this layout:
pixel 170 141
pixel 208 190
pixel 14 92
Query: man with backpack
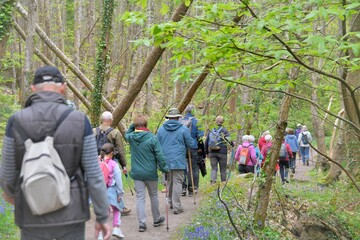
pixel 71 137
pixel 192 123
pixel 106 134
pixel 246 156
pixel 216 149
pixel 175 139
pixel 303 140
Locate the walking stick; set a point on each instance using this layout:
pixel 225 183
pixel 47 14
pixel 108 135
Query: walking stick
pixel 191 175
pixel 167 203
pixel 128 181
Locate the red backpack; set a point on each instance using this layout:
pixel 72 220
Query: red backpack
pixel 106 172
pixel 244 156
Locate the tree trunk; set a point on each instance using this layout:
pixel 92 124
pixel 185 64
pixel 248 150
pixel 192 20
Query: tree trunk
pixel 145 71
pixel 102 59
pixel 31 23
pixel 77 41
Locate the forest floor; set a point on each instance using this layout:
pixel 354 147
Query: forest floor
pixel 129 224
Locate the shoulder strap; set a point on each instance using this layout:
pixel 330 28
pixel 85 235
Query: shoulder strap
pixel 108 131
pixel 24 135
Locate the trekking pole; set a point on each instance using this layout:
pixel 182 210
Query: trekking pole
pixel 167 204
pixel 130 186
pixel 191 175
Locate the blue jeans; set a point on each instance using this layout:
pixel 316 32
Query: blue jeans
pixel 292 161
pixel 304 151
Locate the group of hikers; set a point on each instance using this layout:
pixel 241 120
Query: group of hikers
pixel 251 157
pixel 91 161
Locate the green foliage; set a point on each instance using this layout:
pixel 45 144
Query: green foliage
pixel 6 9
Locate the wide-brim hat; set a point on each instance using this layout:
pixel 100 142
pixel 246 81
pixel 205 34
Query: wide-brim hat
pixel 173 113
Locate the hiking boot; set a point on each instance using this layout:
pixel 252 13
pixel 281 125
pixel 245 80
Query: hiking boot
pixel 307 162
pixel 183 193
pixel 293 170
pixel 180 210
pixel 190 194
pixel 159 222
pixel 117 233
pixel 126 211
pixel 142 228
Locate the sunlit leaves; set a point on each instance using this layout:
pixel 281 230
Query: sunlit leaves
pixel 138 18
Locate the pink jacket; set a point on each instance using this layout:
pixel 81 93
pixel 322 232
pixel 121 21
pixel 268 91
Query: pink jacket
pixel 252 153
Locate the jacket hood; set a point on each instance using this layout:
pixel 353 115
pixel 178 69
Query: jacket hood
pixel 246 144
pixel 45 96
pixel 140 136
pixel 292 136
pixel 172 125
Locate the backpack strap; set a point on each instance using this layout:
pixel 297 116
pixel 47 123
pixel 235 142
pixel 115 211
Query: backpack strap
pixel 24 135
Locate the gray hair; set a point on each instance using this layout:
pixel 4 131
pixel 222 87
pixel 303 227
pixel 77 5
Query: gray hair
pixel 189 108
pixel 251 138
pixel 268 138
pixel 106 116
pixel 245 138
pixel 43 84
pixel 304 128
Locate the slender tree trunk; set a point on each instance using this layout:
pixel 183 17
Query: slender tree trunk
pixel 31 23
pixel 77 41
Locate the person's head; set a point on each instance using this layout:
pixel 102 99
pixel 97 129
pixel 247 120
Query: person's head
pixel 251 138
pixel 290 131
pixel 265 133
pixel 48 78
pixel 268 138
pixel 245 138
pixel 298 126
pixel 107 149
pixel 304 128
pixel 219 120
pixel 173 114
pixel 106 118
pixel 189 108
pixel 140 121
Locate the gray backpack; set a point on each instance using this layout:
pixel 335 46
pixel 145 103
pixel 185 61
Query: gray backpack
pixel 44 181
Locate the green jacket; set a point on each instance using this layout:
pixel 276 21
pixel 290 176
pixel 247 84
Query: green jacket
pixel 146 155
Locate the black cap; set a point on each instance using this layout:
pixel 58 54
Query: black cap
pixel 48 74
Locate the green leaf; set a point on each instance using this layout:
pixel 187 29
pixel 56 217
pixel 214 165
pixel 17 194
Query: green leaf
pixel 187 2
pixel 352 6
pixel 164 9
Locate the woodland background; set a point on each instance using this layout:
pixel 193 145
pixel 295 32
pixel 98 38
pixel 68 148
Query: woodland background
pixel 264 65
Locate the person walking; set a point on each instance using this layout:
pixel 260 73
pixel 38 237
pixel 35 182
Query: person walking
pixel 284 156
pixel 175 139
pixel 113 136
pixel 76 147
pixel 193 124
pixel 303 140
pixel 218 153
pixel 146 157
pixel 291 139
pixel 115 191
pixel 259 156
pixel 246 152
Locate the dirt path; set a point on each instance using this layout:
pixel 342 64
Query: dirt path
pixel 130 225
pixel 302 171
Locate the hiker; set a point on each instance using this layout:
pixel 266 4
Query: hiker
pixel 146 157
pixel 175 138
pixel 297 130
pixel 192 123
pixel 246 156
pixel 262 140
pixel 113 136
pixel 291 139
pixel 259 156
pixel 217 152
pixel 115 192
pixel 284 156
pixel 265 150
pixel 303 140
pixel 76 147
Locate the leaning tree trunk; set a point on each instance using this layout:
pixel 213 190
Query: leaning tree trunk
pixel 5 22
pixel 263 195
pixel 145 71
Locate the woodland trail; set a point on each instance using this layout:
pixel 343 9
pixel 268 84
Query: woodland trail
pixel 129 224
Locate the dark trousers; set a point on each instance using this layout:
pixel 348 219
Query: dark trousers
pixel 246 169
pixel 195 171
pixel 284 168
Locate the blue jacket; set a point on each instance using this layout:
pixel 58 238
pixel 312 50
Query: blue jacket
pixel 174 139
pixel 195 132
pixel 293 142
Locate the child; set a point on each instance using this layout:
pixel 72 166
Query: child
pixel 115 189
